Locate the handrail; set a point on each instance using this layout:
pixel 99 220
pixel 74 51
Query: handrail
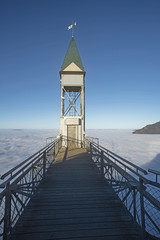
pixel 130 169
pixel 157 173
pixel 92 139
pixel 51 140
pixel 145 180
pixel 26 160
pixel 132 180
pixel 139 194
pixel 110 153
pixel 20 170
pixel 21 183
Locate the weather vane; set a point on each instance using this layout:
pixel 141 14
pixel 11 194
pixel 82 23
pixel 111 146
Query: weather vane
pixel 71 27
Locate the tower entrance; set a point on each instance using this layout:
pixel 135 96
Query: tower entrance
pixel 72 134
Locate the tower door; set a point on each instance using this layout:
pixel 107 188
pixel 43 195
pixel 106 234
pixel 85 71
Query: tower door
pixel 72 136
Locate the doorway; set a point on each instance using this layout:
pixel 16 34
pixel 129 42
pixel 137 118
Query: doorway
pixel 72 136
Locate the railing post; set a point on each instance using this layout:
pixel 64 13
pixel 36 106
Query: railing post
pixel 142 206
pixel 91 149
pixel 56 148
pixel 7 217
pixel 111 174
pixel 54 155
pixel 102 164
pixel 134 203
pixel 58 145
pixel 33 183
pixel 44 164
pixel 60 141
pixel 84 143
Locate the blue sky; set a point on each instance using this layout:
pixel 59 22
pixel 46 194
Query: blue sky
pixel 119 44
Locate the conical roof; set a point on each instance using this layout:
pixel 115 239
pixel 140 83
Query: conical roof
pixel 72 55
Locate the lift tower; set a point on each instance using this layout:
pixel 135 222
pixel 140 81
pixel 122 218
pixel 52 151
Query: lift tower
pixel 72 75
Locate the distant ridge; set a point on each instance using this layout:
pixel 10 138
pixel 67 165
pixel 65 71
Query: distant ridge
pixel 149 129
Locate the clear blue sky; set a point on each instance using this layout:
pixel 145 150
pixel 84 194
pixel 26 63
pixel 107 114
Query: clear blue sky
pixel 119 44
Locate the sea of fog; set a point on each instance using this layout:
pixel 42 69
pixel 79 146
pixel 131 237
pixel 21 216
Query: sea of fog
pixel 141 149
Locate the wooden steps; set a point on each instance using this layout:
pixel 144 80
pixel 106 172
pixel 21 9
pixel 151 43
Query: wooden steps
pixel 75 202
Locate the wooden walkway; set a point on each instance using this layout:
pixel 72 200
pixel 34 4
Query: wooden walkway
pixel 75 202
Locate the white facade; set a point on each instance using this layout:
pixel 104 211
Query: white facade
pixel 72 80
pixel 72 83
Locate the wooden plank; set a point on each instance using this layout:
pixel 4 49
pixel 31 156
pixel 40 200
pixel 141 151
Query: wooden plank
pixel 70 203
pixel 75 202
pixel 108 227
pixel 83 233
pixel 77 220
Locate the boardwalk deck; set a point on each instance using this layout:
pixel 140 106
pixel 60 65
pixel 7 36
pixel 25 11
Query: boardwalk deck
pixel 75 202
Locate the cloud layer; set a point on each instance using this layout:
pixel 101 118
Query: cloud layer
pixel 143 150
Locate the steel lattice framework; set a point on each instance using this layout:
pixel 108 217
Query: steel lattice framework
pixel 72 106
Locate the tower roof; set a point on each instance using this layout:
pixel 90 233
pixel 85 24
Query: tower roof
pixel 72 55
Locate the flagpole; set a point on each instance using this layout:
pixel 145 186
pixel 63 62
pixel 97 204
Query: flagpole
pixel 72 26
pixel 72 30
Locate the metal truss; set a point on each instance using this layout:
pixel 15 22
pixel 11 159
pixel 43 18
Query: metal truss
pixel 72 108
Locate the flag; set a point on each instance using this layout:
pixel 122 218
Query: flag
pixel 71 26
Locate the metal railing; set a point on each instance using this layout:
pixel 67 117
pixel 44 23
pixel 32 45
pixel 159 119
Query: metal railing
pixel 139 195
pixel 21 182
pixel 155 172
pixel 50 140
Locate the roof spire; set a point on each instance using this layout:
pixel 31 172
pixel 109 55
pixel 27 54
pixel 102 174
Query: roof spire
pixel 72 55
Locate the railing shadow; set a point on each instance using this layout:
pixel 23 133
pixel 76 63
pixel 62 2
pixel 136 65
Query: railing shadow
pixel 65 155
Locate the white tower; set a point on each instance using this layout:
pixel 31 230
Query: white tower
pixel 72 74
